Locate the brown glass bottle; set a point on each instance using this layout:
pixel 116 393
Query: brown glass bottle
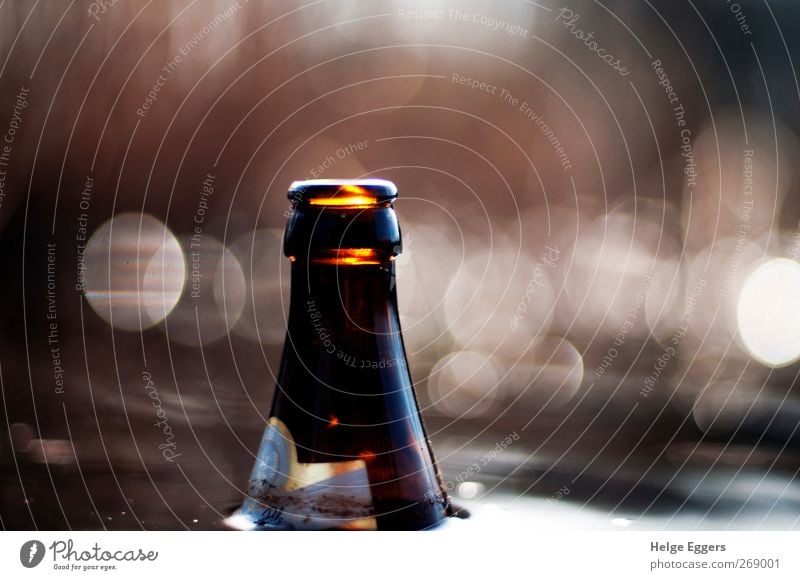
pixel 345 447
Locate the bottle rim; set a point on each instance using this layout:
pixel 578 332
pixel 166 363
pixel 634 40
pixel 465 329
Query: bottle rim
pixel 343 193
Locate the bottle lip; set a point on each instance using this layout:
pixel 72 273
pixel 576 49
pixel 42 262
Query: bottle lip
pixel 343 193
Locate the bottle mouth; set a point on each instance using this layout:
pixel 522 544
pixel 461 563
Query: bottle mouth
pixel 343 222
pixel 343 193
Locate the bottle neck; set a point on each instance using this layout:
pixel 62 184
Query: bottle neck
pixel 354 301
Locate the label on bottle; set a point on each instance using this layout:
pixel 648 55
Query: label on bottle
pixel 310 496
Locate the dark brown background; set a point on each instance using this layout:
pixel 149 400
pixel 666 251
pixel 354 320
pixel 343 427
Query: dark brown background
pixel 276 88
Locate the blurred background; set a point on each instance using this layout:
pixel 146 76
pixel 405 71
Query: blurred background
pixel 601 241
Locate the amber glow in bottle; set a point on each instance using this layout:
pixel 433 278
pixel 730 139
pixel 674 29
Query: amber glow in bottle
pixel 344 447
